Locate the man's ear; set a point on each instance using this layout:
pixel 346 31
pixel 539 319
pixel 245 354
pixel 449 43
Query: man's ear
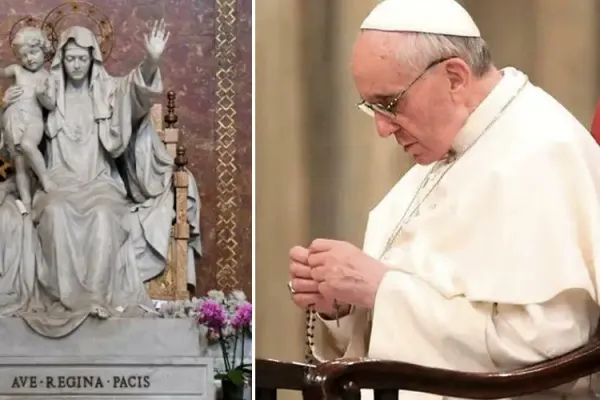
pixel 459 74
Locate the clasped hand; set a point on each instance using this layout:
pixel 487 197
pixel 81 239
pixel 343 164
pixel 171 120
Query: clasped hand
pixel 329 271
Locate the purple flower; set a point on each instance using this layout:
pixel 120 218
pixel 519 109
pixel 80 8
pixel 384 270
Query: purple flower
pixel 243 317
pixel 212 315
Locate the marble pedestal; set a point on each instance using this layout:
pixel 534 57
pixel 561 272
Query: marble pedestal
pixel 147 359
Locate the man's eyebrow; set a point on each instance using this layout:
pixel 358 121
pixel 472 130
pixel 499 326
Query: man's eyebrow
pixel 383 97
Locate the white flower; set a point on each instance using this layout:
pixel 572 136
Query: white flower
pixel 216 295
pixel 228 331
pixel 238 295
pixel 187 308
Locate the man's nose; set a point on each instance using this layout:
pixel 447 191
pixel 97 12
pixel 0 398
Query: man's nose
pixel 385 126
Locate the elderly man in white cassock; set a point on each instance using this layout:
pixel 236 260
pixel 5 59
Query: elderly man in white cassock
pixel 485 255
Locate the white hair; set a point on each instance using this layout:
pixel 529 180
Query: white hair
pixel 34 37
pixel 420 49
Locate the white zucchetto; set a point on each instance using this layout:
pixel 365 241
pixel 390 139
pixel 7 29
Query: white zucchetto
pixel 444 17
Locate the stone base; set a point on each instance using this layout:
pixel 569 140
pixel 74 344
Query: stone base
pixel 116 359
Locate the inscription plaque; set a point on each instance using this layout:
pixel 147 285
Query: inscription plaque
pixel 70 376
pixel 79 382
pixel 133 359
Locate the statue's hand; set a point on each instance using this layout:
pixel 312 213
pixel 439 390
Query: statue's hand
pixel 155 44
pixel 11 95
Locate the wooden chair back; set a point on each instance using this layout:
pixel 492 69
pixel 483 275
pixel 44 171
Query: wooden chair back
pixel 172 284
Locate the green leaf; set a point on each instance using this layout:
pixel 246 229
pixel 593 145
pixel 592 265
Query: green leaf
pixel 236 376
pixel 221 376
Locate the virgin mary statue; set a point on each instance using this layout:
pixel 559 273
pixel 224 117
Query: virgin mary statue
pixel 105 229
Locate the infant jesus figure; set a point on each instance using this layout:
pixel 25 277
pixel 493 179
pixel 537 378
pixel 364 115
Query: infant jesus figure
pixel 23 120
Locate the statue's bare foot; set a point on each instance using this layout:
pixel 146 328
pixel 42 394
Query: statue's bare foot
pixel 99 312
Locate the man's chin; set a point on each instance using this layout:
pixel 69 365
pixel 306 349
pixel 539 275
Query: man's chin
pixel 423 159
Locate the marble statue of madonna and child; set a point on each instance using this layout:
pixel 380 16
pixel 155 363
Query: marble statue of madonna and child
pixel 99 221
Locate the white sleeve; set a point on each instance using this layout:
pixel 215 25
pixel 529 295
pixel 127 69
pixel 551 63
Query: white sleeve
pixel 349 339
pixel 523 335
pixel 414 323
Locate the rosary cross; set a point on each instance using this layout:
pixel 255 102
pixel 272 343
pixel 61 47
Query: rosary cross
pixel 337 312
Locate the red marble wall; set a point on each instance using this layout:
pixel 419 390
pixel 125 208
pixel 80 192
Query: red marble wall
pixel 191 68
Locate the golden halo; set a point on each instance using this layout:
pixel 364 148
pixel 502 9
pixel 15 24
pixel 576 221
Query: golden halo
pixel 55 22
pixel 27 21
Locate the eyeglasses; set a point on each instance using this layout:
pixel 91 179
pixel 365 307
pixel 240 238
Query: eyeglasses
pixel 387 110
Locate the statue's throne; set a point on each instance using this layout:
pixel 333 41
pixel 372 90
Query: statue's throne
pixel 172 283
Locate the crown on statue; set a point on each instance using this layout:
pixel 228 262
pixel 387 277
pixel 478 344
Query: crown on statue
pixel 69 14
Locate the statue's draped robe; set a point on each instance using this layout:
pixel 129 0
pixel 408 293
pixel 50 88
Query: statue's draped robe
pixel 19 252
pixel 106 229
pixel 499 269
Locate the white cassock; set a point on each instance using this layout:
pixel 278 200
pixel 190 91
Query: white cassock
pixel 499 268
